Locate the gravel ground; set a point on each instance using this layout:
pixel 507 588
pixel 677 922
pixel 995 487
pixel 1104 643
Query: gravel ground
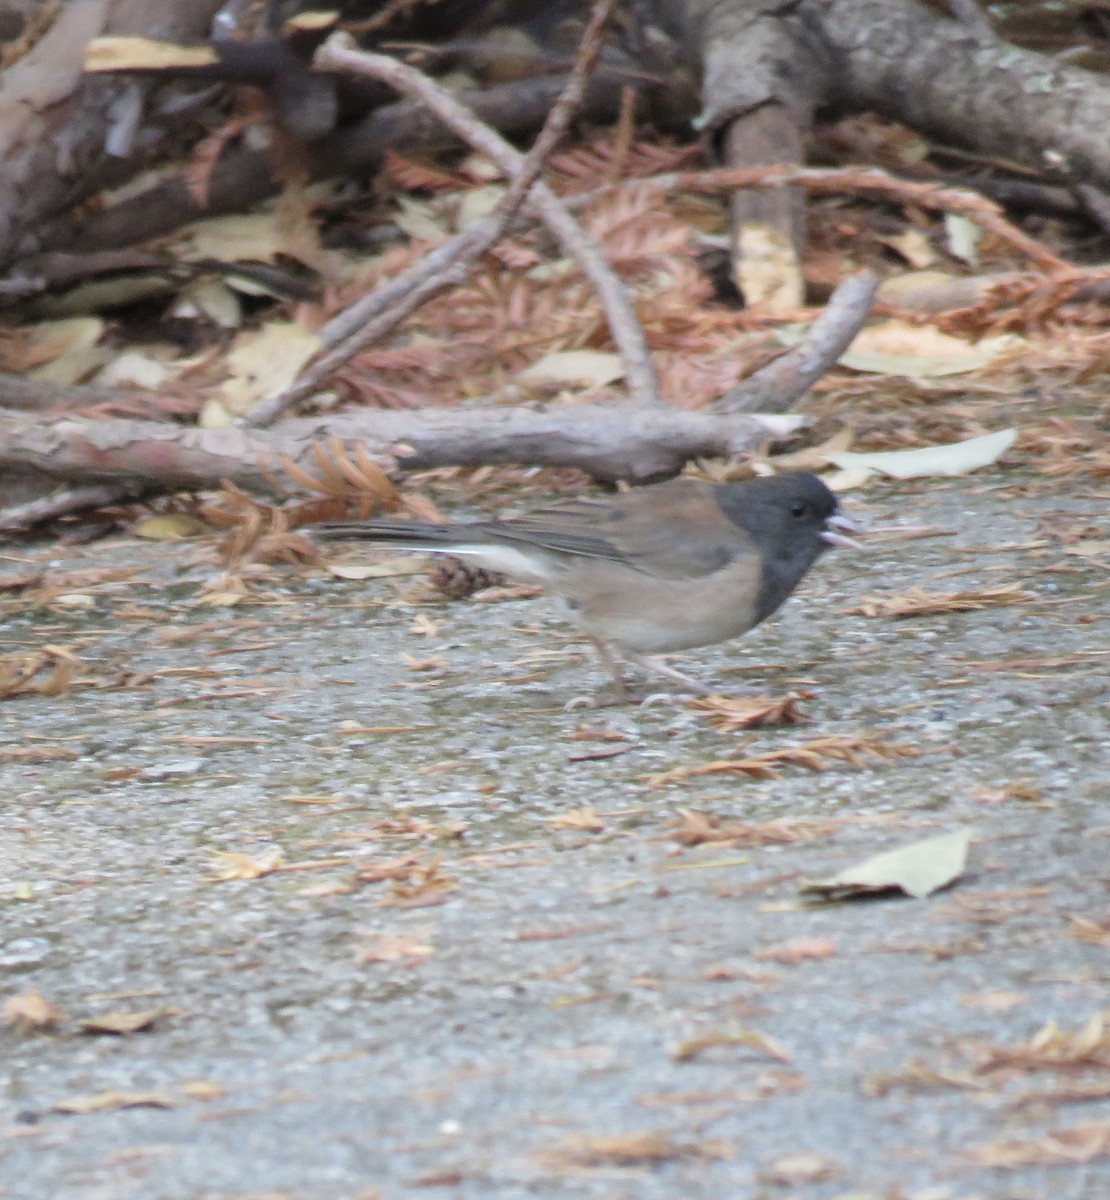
pixel 467 949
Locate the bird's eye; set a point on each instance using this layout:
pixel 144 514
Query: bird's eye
pixel 798 509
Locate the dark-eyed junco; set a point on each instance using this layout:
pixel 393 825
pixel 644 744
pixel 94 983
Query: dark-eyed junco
pixel 659 568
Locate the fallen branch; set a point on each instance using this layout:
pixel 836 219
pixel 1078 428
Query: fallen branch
pixel 385 307
pixel 243 177
pixel 610 442
pixel 868 182
pixel 776 387
pixel 31 395
pixel 338 53
pixel 21 517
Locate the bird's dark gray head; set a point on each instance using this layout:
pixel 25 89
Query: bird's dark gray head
pixel 792 520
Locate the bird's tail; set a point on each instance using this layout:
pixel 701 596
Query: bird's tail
pixel 418 535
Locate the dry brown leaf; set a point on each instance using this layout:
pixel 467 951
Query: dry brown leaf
pixel 113 1101
pixel 917 603
pixel 30 1012
pixel 415 882
pixel 797 950
pixel 626 1150
pixel 1016 790
pixel 46 672
pixel 994 1001
pixel 917 869
pixel 19 581
pixel 390 868
pixel 1079 1091
pixel 731 714
pixel 1097 933
pixel 38 754
pixel 1062 1147
pixel 583 166
pixel 419 176
pixel 425 664
pixel 918 1074
pixel 259 532
pixel 393 947
pixel 738 1036
pixel 815 755
pixel 205 154
pixel 121 1022
pixel 584 734
pixel 231 865
pixel 766 269
pixel 696 828
pixel 169 527
pixel 345 476
pixel 585 820
pixel 1053 1049
pixel 225 591
pixel 797 1170
pixel 264 361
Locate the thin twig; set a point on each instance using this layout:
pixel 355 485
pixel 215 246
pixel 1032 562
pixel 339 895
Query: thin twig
pixel 339 54
pixel 460 249
pixel 19 518
pixel 775 387
pixel 868 182
pixel 375 314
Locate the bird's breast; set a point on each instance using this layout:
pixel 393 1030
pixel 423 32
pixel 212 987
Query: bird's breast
pixel 654 616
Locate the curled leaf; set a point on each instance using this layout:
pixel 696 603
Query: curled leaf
pixel 917 869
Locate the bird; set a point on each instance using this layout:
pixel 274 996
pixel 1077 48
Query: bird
pixel 654 569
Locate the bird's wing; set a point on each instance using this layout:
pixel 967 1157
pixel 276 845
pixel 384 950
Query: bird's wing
pixel 669 531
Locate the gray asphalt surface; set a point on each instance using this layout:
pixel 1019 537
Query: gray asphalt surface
pixel 532 1007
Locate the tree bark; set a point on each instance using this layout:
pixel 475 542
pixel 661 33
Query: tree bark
pixel 935 75
pixel 610 442
pixel 899 59
pixel 244 177
pixel 54 122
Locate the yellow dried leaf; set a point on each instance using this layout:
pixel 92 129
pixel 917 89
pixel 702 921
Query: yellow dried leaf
pixel 583 819
pixel 203 1089
pixel 797 1170
pixel 215 415
pixel 121 1022
pixel 169 527
pixel 738 1036
pixel 30 1012
pixel 1053 1049
pixel 896 347
pixel 265 362
pixel 1062 1147
pixel 231 865
pixel 389 947
pixel 112 1101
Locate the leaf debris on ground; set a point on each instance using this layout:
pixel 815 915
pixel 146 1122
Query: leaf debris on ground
pixel 918 869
